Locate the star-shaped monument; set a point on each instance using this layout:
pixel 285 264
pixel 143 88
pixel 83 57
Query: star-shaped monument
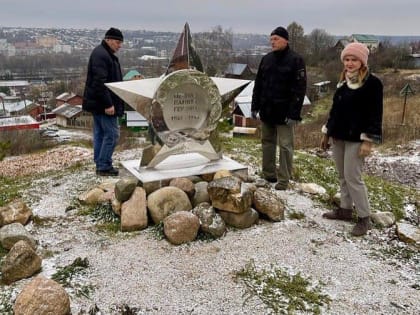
pixel 183 106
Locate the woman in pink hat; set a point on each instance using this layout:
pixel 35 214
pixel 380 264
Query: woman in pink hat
pixel 354 124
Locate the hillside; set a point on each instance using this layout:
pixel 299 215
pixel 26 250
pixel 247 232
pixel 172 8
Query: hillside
pixel 139 273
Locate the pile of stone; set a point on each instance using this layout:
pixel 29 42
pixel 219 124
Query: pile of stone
pixel 185 205
pixel 41 295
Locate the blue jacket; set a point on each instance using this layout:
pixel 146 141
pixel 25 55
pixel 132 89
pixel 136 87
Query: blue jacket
pixel 103 67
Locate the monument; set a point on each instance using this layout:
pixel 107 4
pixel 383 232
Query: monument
pixel 183 107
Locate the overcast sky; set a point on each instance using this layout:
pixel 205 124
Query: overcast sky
pixel 337 17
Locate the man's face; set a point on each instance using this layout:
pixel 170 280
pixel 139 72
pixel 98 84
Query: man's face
pixel 114 44
pixel 278 42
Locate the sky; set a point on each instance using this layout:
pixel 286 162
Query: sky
pixel 336 17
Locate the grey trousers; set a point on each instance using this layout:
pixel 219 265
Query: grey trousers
pixel 349 167
pixel 271 136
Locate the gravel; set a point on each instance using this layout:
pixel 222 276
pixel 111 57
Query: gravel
pixel 152 276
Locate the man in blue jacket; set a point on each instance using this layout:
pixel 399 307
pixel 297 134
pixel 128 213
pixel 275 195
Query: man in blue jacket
pixel 104 105
pixel 278 96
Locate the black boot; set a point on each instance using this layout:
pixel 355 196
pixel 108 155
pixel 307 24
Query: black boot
pixel 339 214
pixel 361 227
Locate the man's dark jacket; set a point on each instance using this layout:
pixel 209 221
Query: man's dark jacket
pixel 103 67
pixel 357 111
pixel 280 87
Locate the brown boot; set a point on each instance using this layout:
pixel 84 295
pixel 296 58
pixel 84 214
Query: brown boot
pixel 339 214
pixel 361 227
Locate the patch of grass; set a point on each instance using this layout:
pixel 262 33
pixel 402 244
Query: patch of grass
pixel 399 253
pixel 296 215
pixel 156 231
pixel 383 195
pixel 37 220
pixel 244 150
pixel 204 237
pixel 387 196
pixel 67 276
pixel 308 168
pixel 105 218
pixel 11 189
pixel 281 292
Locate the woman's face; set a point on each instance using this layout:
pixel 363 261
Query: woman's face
pixel 351 63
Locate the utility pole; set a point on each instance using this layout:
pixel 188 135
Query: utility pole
pixel 405 91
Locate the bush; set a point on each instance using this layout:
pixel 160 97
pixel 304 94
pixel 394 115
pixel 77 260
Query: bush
pixel 18 142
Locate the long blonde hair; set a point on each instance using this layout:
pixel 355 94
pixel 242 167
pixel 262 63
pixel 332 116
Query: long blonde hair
pixel 363 73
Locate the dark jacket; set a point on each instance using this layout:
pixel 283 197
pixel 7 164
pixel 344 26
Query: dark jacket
pixel 280 87
pixel 357 111
pixel 103 67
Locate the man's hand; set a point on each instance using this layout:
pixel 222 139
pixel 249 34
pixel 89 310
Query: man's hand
pixel 325 142
pixel 110 110
pixel 365 148
pixel 254 114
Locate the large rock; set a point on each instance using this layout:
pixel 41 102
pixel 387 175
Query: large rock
pixel 149 153
pixel 184 184
pixel 134 211
pixel 116 206
pixel 312 188
pixel 226 194
pixel 408 233
pixel 383 219
pixel 210 221
pixel 269 203
pixel 21 262
pixel 166 201
pixel 240 220
pixel 124 188
pixel 92 196
pixel 201 193
pixel 221 174
pixel 42 296
pixel 12 233
pixel 181 227
pixel 15 211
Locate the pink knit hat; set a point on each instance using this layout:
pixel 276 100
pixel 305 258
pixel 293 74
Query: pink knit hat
pixel 359 50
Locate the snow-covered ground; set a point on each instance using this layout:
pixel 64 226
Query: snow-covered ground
pixel 155 277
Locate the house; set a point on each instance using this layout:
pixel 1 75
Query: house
pixel 242 108
pixel 16 87
pixel 68 98
pixel 239 71
pixel 136 121
pixel 371 41
pixel 416 60
pixel 321 88
pixel 72 116
pixel 14 106
pixel 18 123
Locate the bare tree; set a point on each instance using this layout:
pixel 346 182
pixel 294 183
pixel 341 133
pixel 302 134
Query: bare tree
pixel 215 49
pixel 319 42
pixel 296 37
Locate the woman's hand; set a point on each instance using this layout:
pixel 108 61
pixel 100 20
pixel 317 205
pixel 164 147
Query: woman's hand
pixel 365 148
